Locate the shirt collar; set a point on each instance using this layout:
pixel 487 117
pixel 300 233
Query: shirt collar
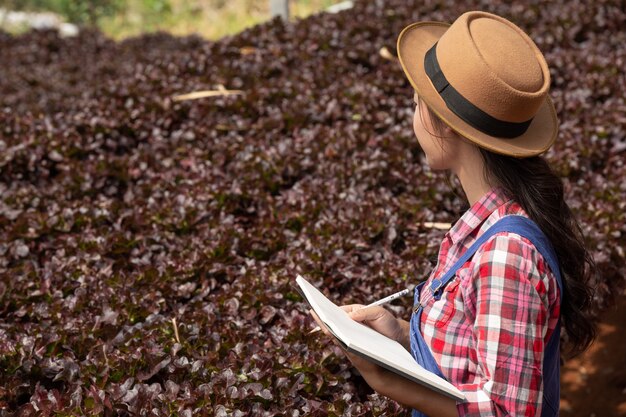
pixel 477 214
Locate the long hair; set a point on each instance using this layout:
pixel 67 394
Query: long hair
pixel 534 185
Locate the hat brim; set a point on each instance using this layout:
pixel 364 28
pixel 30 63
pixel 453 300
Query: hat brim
pixel 413 43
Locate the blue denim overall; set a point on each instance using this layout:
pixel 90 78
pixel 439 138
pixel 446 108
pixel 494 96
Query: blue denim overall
pixel 525 227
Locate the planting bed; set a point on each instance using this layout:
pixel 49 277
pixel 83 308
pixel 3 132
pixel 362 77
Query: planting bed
pixel 148 247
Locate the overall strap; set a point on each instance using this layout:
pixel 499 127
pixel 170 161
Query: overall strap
pixel 521 225
pixel 525 227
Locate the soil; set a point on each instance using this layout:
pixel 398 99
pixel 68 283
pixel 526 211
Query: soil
pixel 594 384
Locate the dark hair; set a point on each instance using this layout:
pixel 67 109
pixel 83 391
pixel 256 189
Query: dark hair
pixel 534 185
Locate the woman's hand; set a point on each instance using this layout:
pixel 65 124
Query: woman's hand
pixel 385 382
pixel 378 318
pixel 381 320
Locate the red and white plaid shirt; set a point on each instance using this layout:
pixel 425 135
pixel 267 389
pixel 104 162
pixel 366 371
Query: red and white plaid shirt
pixel 489 329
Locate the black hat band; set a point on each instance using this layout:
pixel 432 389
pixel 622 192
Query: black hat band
pixel 460 106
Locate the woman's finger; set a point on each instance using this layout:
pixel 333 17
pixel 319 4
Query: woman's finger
pixel 363 365
pixel 368 313
pixel 320 324
pixel 349 308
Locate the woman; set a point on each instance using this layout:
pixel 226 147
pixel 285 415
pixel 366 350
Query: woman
pixel 486 316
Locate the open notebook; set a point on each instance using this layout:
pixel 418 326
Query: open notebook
pixel 364 341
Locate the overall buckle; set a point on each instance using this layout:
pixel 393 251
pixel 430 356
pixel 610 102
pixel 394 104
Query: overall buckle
pixel 435 286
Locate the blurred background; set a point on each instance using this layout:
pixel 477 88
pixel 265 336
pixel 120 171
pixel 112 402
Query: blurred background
pixel 120 19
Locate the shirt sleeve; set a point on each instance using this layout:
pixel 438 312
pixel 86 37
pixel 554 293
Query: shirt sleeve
pixel 507 302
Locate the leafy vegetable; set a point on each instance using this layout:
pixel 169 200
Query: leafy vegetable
pixel 122 209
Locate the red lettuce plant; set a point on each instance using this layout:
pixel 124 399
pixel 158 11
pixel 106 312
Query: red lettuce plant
pixel 148 247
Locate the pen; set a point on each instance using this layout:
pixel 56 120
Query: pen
pixel 382 301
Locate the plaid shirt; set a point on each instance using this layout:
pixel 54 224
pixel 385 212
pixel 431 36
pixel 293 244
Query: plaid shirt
pixel 489 329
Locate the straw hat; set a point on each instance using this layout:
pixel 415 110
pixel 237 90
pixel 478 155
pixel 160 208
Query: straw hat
pixel 485 78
